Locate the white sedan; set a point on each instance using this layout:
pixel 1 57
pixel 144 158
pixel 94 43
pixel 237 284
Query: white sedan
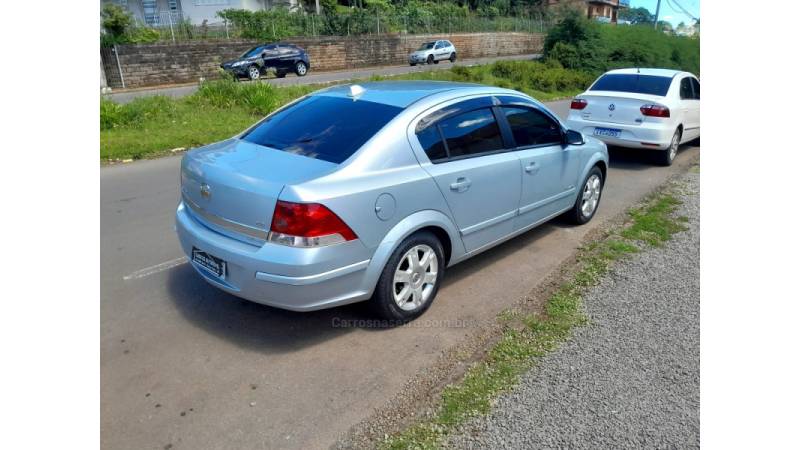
pixel 654 109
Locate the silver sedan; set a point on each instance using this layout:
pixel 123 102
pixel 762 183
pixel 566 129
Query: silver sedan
pixel 369 192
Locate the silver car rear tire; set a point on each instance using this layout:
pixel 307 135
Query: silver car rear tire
pixel 411 278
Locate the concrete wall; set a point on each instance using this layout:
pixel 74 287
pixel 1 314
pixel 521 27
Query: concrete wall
pixel 166 63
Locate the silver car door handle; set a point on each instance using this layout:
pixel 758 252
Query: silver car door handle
pixel 532 168
pixel 461 184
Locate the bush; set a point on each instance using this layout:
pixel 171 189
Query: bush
pixel 120 29
pixel 270 25
pixel 109 114
pixel 545 77
pixel 115 20
pixel 578 43
pixel 258 98
pixel 141 35
pixel 135 113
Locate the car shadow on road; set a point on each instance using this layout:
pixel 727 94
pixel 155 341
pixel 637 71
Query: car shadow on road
pixel 253 325
pixel 272 330
pixel 637 159
pixel 630 158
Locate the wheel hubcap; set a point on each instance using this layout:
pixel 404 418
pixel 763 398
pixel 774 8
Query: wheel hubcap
pixel 301 68
pixel 254 72
pixel 591 195
pixel 415 277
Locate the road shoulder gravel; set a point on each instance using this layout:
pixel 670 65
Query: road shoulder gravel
pixel 630 377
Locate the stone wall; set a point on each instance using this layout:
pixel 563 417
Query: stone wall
pixel 167 63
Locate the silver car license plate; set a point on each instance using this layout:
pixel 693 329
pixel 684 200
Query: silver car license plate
pixel 211 263
pixel 610 132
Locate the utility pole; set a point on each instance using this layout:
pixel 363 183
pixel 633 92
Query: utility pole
pixel 317 7
pixel 658 9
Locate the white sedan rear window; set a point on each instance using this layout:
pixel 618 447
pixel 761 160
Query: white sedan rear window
pixel 635 83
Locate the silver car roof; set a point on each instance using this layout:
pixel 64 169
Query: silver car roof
pixel 398 93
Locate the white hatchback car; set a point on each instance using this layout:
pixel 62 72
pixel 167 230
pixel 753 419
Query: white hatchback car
pixel 655 109
pixel 433 52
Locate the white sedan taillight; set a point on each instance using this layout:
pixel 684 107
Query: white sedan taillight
pixel 654 110
pixel 578 103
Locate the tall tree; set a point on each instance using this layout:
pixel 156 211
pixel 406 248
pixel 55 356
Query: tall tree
pixel 636 15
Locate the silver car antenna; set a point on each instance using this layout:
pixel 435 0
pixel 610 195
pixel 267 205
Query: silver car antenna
pixel 356 90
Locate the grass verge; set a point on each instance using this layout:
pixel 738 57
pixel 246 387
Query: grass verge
pixel 150 127
pixel 529 337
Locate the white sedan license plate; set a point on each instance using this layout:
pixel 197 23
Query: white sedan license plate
pixel 210 262
pixel 610 132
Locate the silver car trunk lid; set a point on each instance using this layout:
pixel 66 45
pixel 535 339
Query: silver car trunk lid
pixel 611 107
pixel 232 186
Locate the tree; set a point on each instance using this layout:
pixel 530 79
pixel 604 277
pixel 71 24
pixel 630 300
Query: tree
pixel 636 15
pixel 115 20
pixel 665 27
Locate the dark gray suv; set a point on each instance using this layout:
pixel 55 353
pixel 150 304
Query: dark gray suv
pixel 282 58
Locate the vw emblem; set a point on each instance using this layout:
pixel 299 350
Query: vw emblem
pixel 611 107
pixel 205 191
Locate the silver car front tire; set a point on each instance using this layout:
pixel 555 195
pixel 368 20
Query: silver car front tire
pixel 588 197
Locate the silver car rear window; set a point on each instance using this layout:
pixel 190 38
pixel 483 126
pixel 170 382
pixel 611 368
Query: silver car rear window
pixel 323 127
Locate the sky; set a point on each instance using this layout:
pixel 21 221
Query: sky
pixel 674 16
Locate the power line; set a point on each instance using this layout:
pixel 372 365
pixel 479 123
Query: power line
pixel 680 9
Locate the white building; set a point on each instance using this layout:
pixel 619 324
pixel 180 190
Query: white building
pixel 159 12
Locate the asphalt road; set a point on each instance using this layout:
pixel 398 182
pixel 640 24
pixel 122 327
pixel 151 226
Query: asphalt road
pixel 318 77
pixel 186 365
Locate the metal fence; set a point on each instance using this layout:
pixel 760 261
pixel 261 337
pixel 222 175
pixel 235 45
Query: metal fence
pixel 172 26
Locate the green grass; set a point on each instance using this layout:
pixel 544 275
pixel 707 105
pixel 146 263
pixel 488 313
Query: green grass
pixel 529 337
pixel 654 224
pixel 152 126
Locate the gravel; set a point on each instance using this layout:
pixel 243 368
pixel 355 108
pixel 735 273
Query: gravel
pixel 631 378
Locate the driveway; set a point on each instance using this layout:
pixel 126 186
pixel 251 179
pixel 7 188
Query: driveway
pixel 185 365
pixel 318 77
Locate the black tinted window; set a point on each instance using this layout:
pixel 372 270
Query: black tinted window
pixel 639 84
pixel 252 52
pixel 696 86
pixel 686 89
pixel 472 132
pixel 531 127
pixel 322 127
pixel 431 141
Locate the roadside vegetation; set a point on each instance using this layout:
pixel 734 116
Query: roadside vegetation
pixel 581 44
pixel 576 51
pixel 152 126
pixel 528 337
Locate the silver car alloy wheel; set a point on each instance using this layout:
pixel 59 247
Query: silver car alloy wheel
pixel 254 73
pixel 415 277
pixel 673 146
pixel 301 69
pixel 591 195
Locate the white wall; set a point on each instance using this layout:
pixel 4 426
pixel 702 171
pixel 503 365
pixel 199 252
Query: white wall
pixel 199 12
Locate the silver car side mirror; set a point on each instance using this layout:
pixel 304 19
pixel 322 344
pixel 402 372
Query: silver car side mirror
pixel 572 137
